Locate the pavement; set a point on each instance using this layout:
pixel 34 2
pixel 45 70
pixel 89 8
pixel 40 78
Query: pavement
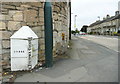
pixel 86 61
pixel 110 42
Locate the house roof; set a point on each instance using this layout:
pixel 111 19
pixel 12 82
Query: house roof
pixel 105 20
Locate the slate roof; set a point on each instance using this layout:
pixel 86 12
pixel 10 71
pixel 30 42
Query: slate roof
pixel 105 20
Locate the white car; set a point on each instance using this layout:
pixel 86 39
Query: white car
pixel 82 33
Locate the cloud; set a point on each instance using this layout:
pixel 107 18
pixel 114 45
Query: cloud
pixel 87 11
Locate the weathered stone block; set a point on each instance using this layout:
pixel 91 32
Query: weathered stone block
pixel 55 16
pixel 42 58
pixel 35 4
pixel 2 17
pixel 13 25
pixel 42 46
pixel 5 17
pixel 0 50
pixel 30 23
pixel 24 5
pixel 5 51
pixel 15 3
pixel 42 41
pixel 2 25
pixel 4 11
pixel 40 23
pixel 5 44
pixel 56 8
pixel 30 16
pixel 0 56
pixel 12 12
pixel 0 74
pixel 4 63
pixel 6 57
pixel 8 6
pixel 41 12
pixel 42 27
pixel 18 16
pixel 41 55
pixel 55 34
pixel 0 69
pixel 41 19
pixel 23 23
pixel 5 34
pixel 37 30
pixel 20 8
pixel 42 34
pixel 36 23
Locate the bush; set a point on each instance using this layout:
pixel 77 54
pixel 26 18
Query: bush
pixel 115 33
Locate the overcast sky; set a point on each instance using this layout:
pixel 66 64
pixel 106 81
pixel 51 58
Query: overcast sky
pixel 87 11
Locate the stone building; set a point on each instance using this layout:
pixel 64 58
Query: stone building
pixel 107 26
pixel 14 15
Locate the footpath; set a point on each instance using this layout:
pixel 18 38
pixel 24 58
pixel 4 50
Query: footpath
pixel 85 61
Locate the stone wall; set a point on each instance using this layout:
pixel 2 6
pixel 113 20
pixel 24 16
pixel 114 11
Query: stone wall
pixel 60 25
pixel 14 15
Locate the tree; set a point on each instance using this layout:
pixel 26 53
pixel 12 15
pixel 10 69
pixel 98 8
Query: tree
pixel 75 31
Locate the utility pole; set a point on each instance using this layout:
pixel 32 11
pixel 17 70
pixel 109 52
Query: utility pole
pixel 70 20
pixel 48 34
pixel 75 22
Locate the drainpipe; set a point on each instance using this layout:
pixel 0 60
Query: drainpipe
pixel 48 34
pixel 70 20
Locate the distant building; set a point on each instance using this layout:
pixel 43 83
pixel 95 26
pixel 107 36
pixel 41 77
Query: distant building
pixel 84 28
pixel 108 26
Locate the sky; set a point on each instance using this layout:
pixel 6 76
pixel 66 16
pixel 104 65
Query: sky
pixel 87 11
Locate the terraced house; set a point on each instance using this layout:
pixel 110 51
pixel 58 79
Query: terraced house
pixel 14 15
pixel 107 26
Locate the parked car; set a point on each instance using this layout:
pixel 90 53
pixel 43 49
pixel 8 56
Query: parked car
pixel 82 33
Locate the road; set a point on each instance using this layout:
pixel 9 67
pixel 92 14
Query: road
pixel 110 42
pixel 87 62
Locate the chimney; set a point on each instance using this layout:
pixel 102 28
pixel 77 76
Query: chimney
pixel 103 18
pixel 108 16
pixel 116 13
